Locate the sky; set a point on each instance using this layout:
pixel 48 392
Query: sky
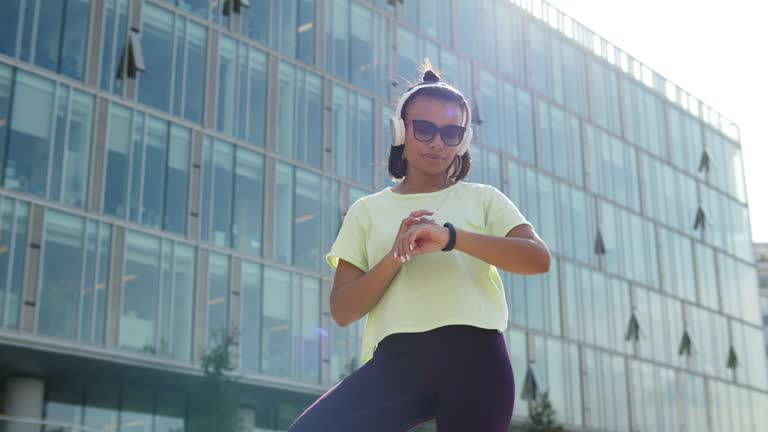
pixel 711 49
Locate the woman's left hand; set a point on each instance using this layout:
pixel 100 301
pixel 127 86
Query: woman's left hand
pixel 423 238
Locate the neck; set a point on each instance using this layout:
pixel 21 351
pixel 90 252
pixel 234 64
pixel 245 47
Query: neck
pixel 416 183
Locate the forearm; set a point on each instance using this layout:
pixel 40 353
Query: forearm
pixel 511 254
pixel 352 301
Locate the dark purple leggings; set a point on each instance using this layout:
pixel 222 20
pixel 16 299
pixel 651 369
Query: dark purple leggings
pixel 458 375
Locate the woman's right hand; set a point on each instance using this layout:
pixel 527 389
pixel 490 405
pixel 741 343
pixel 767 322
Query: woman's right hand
pixel 417 217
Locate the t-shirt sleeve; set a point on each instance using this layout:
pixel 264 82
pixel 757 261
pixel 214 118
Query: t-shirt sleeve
pixel 502 214
pixel 351 240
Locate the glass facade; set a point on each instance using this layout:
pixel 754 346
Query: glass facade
pixel 145 216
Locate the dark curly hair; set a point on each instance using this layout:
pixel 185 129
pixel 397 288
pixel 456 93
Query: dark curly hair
pixel 461 164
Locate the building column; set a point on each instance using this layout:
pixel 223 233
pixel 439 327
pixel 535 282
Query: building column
pixel 23 398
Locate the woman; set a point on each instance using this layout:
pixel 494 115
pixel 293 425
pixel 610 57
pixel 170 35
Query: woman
pixel 433 345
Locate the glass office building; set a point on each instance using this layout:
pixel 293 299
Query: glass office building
pixel 175 170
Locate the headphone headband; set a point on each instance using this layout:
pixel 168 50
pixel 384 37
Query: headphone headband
pixel 404 98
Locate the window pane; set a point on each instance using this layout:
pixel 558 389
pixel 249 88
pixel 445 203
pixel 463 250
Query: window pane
pixel 48 35
pixel 157 41
pixel 227 83
pixel 197 45
pixel 26 164
pixel 62 403
pixel 61 278
pixel 360 47
pixel 307 221
pixel 250 316
pixel 141 279
pixel 223 177
pixel 74 39
pixel 101 405
pixel 183 301
pixel 78 155
pixel 118 148
pixel 309 122
pixel 218 299
pixel 9 26
pixel 310 330
pixel 249 201
pixel 136 413
pixel 177 180
pixel 305 51
pixel 255 20
pixel 257 70
pixel 276 312
pixel 284 213
pixel 115 28
pixel 337 37
pixel 169 412
pixel 14 218
pixel 286 139
pixel 154 175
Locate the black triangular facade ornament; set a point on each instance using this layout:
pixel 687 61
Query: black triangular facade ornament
pixel 530 390
pixel 599 243
pixel 704 162
pixel 701 219
pixel 477 117
pixel 633 329
pixel 686 346
pixel 733 360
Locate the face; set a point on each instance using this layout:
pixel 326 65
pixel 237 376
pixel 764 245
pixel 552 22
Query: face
pixel 432 157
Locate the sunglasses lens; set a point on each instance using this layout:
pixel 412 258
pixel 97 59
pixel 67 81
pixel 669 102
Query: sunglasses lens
pixel 452 135
pixel 424 130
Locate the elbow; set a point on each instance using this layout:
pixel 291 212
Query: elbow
pixel 338 317
pixel 339 321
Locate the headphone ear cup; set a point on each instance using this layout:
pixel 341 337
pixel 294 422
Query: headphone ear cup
pixel 397 128
pixel 464 146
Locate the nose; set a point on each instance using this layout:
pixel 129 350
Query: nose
pixel 436 141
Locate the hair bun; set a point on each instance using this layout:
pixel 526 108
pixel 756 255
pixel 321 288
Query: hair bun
pixel 430 77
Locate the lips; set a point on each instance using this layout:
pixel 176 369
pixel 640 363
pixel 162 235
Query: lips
pixel 432 156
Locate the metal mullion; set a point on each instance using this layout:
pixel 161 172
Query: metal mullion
pixel 164 204
pixel 171 297
pixel 11 251
pixel 52 139
pixel 187 24
pixel 239 45
pixel 112 44
pixel 247 92
pixel 305 109
pixel 84 259
pixel 67 121
pixel 143 166
pixel 212 188
pixel 33 40
pixel 129 171
pixel 95 306
pixel 299 357
pixel 41 266
pixel 161 290
pixel 174 45
pixel 20 29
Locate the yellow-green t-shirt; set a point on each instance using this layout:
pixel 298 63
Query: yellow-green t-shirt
pixel 435 289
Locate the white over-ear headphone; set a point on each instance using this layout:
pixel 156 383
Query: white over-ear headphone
pixel 397 126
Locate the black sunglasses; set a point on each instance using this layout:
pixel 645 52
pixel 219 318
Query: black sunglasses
pixel 425 131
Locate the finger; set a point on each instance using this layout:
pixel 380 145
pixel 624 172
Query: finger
pixel 419 213
pixel 405 245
